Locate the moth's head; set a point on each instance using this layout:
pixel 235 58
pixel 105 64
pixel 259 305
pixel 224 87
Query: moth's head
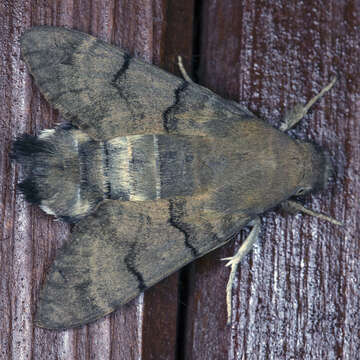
pixel 317 169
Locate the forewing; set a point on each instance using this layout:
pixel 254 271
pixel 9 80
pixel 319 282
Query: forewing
pixel 97 86
pixel 107 93
pixel 122 249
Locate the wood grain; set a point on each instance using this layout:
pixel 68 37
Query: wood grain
pixel 297 294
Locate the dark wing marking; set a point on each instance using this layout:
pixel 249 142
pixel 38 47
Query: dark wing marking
pixel 122 249
pixel 107 93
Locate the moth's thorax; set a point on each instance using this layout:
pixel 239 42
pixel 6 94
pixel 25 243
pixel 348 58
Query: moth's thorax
pixel 254 170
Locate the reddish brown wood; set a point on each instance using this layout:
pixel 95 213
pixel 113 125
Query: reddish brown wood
pixel 297 294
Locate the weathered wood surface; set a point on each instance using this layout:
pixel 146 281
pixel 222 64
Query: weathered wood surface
pixel 297 295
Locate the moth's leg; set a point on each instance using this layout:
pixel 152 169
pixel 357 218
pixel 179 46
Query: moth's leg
pixel 293 116
pixel 184 74
pixel 236 259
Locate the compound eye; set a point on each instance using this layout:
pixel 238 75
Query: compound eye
pixel 301 192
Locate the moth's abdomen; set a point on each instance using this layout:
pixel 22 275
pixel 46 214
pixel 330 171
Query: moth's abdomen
pixel 64 171
pixel 69 173
pixel 149 167
pixel 132 168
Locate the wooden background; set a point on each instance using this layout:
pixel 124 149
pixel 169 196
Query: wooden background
pixel 297 295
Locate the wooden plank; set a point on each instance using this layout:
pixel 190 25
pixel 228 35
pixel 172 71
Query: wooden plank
pixel 29 238
pixel 297 294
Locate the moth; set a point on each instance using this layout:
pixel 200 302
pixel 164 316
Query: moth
pixel 154 170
